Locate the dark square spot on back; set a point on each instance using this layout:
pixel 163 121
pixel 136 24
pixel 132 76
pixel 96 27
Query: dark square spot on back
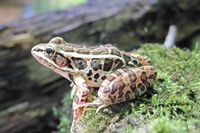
pixel 118 64
pixel 79 63
pixel 126 58
pixel 115 52
pixel 107 64
pixel 135 62
pixel 96 64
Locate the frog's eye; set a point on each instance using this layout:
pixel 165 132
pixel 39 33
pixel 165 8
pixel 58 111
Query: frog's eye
pixel 49 50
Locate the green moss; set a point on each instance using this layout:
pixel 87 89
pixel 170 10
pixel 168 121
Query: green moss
pixel 64 114
pixel 196 42
pixel 172 106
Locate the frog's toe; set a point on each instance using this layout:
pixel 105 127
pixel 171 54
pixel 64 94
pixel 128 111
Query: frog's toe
pixel 94 103
pixel 101 107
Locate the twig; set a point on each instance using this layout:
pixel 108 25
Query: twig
pixel 171 36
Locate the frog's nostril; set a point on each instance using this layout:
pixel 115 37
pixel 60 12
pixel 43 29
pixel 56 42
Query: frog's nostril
pixel 36 49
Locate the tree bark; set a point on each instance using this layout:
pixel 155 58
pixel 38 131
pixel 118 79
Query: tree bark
pixel 44 26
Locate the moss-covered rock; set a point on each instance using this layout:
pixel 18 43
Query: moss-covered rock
pixel 172 106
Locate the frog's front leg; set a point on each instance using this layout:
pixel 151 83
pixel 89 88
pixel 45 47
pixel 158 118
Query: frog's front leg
pixel 124 84
pixel 82 93
pixel 74 89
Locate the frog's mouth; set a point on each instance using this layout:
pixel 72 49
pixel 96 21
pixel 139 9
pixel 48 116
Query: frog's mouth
pixel 38 54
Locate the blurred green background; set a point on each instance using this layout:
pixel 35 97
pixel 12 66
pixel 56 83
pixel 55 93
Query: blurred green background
pixel 12 9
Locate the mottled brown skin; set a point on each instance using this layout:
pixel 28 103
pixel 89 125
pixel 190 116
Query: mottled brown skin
pixel 118 75
pixel 126 84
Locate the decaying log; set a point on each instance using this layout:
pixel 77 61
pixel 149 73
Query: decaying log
pixel 43 27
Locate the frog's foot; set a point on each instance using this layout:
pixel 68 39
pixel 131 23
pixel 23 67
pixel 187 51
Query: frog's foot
pixel 98 103
pixel 101 107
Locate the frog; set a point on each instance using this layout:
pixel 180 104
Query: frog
pixel 115 74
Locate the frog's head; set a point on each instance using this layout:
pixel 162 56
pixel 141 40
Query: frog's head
pixel 53 56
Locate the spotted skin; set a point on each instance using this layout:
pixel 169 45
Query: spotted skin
pixel 117 75
pixel 79 63
pixel 96 64
pixel 130 78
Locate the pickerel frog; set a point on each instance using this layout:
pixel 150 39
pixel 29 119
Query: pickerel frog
pixel 118 75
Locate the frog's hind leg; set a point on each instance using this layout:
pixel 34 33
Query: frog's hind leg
pixel 100 104
pixel 126 84
pixel 123 85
